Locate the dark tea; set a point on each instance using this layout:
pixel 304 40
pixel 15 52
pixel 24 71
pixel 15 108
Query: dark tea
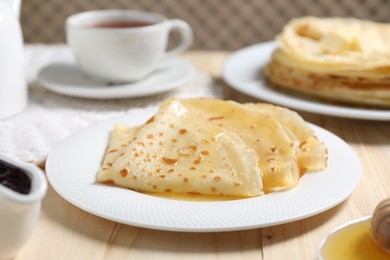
pixel 120 24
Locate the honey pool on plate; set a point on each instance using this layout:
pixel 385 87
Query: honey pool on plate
pixel 191 197
pixel 352 242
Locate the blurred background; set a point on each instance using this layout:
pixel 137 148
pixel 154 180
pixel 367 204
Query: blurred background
pixel 217 24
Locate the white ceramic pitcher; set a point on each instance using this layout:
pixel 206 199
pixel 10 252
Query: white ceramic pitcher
pixel 13 87
pixel 19 212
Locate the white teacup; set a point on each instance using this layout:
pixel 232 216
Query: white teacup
pixel 19 212
pixel 123 45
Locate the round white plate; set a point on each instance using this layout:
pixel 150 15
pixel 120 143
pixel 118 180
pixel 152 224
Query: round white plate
pixel 72 167
pixel 67 79
pixel 243 71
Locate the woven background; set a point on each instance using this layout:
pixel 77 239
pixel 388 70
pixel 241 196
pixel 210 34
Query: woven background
pixel 218 24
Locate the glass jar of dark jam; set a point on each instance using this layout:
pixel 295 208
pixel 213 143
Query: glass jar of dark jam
pixel 14 178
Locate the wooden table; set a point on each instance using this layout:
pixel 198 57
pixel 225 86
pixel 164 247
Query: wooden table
pixel 67 232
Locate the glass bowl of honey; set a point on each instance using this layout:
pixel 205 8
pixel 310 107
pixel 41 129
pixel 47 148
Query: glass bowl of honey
pixel 363 238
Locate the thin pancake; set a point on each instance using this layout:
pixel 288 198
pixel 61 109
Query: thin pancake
pixel 120 137
pixel 286 117
pixel 369 88
pixel 180 152
pixel 341 60
pixel 313 154
pixel 276 147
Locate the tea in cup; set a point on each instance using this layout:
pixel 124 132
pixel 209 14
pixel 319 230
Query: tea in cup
pixel 123 45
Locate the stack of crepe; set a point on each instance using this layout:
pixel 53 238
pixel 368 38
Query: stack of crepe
pixel 213 147
pixel 338 59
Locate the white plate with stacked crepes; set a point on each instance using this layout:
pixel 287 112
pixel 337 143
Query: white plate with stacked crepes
pixel 73 166
pixel 326 66
pixel 243 71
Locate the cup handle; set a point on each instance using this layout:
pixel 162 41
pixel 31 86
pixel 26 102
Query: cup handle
pixel 186 37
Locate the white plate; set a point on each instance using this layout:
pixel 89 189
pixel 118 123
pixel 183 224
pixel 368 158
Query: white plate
pixel 73 164
pixel 243 72
pixel 67 79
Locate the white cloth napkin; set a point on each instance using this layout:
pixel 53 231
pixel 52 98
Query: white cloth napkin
pixel 50 117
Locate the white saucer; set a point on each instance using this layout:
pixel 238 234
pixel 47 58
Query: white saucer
pixel 67 79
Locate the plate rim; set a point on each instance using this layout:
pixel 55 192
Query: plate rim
pixel 109 123
pixel 127 91
pixel 298 103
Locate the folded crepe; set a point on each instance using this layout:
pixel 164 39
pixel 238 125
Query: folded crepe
pixel 120 137
pixel 181 152
pixel 275 145
pixel 286 117
pixel 313 154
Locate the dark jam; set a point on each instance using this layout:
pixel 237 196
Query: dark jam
pixel 14 178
